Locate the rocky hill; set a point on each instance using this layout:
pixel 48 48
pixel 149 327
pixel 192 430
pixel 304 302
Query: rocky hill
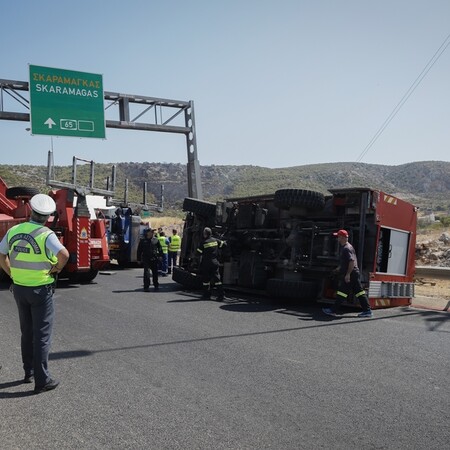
pixel 425 184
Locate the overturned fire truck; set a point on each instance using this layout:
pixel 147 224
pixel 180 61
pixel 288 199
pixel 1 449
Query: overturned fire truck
pixel 283 244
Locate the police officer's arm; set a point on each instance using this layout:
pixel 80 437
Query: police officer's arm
pixel 54 246
pixel 4 264
pixel 63 257
pixel 4 260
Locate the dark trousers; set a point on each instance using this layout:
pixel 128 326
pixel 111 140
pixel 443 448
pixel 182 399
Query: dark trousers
pixel 36 316
pixel 172 261
pixel 354 286
pixel 152 266
pixel 210 276
pixel 210 273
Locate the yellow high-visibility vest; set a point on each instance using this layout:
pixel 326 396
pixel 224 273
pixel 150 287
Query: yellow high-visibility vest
pixel 162 241
pixel 175 243
pixel 28 257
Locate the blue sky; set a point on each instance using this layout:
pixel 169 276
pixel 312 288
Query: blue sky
pixel 275 83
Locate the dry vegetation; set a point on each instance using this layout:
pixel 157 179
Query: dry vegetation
pixel 166 223
pixel 432 287
pixel 426 286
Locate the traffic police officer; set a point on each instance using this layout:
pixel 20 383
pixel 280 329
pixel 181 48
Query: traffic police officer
pixel 35 257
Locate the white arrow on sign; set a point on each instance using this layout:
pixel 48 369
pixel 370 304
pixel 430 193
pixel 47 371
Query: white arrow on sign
pixel 49 122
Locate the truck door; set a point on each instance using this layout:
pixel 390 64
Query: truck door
pixel 392 251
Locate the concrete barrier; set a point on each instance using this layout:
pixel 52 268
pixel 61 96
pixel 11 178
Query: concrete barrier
pixel 433 303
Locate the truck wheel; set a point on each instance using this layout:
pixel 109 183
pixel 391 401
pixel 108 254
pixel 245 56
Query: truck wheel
pixel 285 198
pixel 200 207
pixel 290 289
pixel 83 277
pixel 122 262
pixel 186 279
pixel 16 192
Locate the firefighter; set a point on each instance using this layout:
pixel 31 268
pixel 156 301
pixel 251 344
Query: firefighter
pixel 35 257
pixel 149 252
pixel 209 264
pixel 164 241
pixel 349 278
pixel 174 247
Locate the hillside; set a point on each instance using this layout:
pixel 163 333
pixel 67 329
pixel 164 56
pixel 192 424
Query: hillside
pixel 425 184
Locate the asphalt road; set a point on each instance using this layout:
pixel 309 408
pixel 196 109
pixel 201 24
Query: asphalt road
pixel 169 371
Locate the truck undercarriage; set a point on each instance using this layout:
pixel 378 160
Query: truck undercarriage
pixel 283 243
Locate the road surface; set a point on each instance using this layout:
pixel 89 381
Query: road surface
pixel 167 370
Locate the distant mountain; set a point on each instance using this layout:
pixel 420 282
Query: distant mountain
pixel 425 184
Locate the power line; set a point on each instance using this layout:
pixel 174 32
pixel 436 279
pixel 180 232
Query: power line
pixel 407 94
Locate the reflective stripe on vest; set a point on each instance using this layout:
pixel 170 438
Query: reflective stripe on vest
pixel 162 241
pixel 175 243
pixel 28 256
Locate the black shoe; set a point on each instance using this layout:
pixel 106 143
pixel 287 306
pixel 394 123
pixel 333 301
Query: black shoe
pixel 52 384
pixel 28 378
pixel 146 289
pixel 156 287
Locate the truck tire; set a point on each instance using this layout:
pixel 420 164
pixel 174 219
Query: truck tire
pixel 200 207
pixel 19 191
pixel 286 198
pixel 290 289
pixel 83 277
pixel 186 279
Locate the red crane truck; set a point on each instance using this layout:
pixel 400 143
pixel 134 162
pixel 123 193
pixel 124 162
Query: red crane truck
pixel 79 231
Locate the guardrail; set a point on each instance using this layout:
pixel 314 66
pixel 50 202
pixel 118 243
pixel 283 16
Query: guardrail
pixel 433 271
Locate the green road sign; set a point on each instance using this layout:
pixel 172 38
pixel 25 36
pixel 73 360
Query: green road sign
pixel 66 103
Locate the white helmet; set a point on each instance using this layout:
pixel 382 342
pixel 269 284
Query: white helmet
pixel 43 204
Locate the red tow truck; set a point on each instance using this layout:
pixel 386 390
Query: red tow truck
pixel 79 230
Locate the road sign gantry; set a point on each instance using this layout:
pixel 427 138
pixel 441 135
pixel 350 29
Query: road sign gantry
pixel 121 104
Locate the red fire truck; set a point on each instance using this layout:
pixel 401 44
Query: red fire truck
pixel 283 244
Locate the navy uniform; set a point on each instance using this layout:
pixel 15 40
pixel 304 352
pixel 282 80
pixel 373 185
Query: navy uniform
pixel 150 253
pixel 35 256
pixel 209 264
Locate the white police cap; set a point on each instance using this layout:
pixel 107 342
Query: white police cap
pixel 43 204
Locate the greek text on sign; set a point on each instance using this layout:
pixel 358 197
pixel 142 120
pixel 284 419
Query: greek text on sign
pixel 66 103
